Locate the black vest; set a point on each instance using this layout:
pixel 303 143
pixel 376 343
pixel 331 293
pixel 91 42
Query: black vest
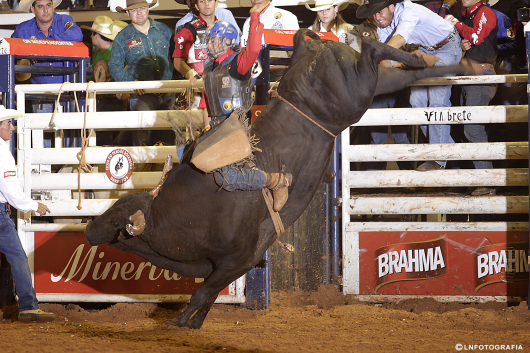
pixel 226 93
pixel 486 52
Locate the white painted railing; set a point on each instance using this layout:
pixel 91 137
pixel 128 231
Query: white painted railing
pixel 434 204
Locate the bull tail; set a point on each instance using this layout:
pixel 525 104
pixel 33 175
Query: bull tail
pixel 299 43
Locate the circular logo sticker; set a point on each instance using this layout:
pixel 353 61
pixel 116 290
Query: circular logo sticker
pixel 119 166
pixel 227 105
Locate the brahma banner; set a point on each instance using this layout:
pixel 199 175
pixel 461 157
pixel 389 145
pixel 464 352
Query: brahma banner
pixel 444 263
pixel 65 263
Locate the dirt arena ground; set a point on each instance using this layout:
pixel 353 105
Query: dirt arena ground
pixel 324 321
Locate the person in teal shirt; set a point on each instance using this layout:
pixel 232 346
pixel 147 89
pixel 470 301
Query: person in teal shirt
pixel 104 30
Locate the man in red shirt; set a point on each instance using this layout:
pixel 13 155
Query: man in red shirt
pixel 479 42
pixel 190 42
pixel 227 87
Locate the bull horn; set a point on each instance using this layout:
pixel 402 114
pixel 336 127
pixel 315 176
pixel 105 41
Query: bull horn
pixel 138 223
pixel 168 165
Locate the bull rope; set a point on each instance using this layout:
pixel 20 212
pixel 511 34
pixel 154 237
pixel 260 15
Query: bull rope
pixel 274 93
pixel 276 220
pixel 84 144
pixel 84 138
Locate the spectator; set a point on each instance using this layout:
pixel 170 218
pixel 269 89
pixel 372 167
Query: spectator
pixel 379 134
pixel 144 47
pixel 409 23
pixel 104 30
pixel 50 26
pixel 10 245
pixel 272 18
pixel 446 7
pixel 479 42
pixel 190 42
pixel 191 51
pixel 329 18
pixel 220 13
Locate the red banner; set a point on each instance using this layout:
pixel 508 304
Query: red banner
pixel 19 46
pixel 411 261
pixel 66 263
pixel 285 37
pixel 444 263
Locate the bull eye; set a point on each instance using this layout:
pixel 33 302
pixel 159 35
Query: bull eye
pixel 115 224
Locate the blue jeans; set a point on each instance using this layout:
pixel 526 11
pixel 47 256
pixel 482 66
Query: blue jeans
pixel 379 134
pixel 438 96
pixel 11 247
pixel 478 95
pixel 232 178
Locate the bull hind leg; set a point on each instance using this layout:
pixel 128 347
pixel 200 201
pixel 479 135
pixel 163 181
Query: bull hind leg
pixel 374 52
pixel 392 80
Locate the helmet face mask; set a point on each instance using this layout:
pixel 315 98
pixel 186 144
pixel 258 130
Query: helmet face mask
pixel 216 47
pixel 221 38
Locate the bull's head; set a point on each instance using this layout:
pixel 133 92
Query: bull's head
pixel 106 228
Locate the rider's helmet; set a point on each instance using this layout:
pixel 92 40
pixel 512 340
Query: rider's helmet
pixel 227 35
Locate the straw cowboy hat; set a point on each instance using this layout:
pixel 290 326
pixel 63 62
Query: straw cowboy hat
pixel 106 27
pixel 8 113
pixel 102 25
pixel 25 5
pixel 326 4
pixel 493 2
pixel 373 7
pixel 136 4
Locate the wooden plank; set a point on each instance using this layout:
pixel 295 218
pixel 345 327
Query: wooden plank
pixel 119 120
pixel 438 178
pixel 441 151
pixel 98 155
pixel 435 226
pixel 444 116
pixel 436 205
pixel 303 269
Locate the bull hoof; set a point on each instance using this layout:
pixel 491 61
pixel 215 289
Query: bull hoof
pixel 172 324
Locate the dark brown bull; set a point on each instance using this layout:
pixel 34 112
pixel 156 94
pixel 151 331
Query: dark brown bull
pixel 197 230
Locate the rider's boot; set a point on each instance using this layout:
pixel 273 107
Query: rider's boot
pixel 278 183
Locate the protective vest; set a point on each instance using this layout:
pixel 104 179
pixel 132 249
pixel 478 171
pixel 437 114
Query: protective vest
pixel 198 50
pixel 485 52
pixel 225 93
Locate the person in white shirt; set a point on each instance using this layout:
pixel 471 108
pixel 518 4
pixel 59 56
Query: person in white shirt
pixel 329 19
pixel 12 194
pixel 272 18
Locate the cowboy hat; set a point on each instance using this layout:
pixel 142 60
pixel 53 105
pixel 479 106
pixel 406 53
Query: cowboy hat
pixel 25 5
pixel 373 7
pixel 493 2
pixel 117 26
pixel 136 4
pixel 8 113
pixel 103 26
pixel 326 4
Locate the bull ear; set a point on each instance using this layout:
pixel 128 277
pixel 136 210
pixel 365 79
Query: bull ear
pixel 138 223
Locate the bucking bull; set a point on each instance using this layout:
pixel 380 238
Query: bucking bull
pixel 199 231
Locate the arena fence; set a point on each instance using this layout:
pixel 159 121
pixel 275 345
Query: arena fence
pixel 64 266
pixel 422 242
